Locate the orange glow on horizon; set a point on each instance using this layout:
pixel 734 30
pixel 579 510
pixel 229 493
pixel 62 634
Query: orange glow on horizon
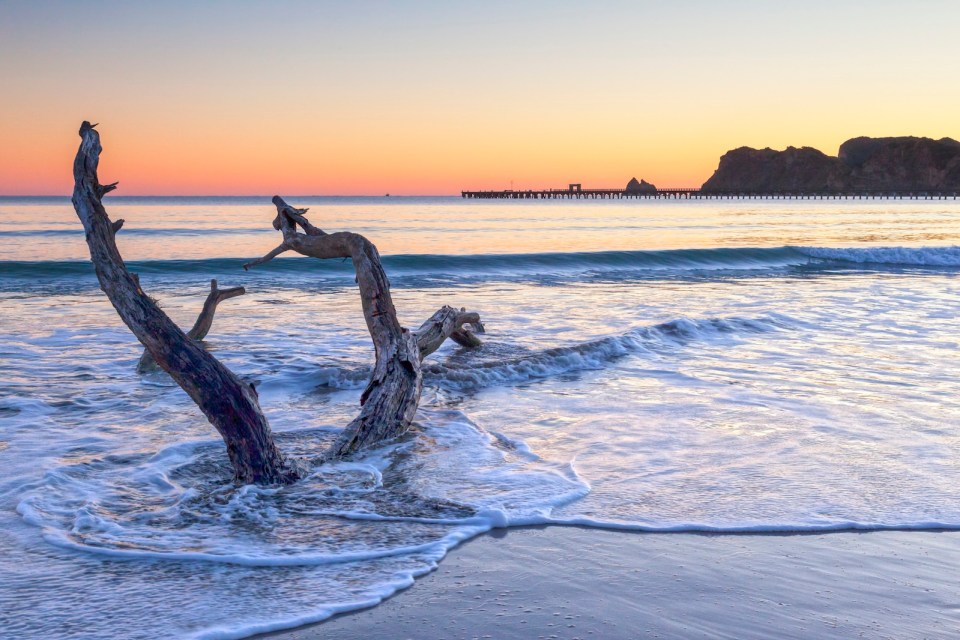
pixel 428 99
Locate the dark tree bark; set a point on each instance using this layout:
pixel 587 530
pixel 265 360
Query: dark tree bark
pixel 230 404
pixel 390 400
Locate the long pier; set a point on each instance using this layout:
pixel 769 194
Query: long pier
pixel 690 194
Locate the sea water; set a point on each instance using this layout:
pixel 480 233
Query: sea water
pixel 664 366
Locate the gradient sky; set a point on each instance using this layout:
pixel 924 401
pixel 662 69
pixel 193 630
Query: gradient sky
pixel 364 97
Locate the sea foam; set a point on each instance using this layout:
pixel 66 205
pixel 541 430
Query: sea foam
pixel 905 256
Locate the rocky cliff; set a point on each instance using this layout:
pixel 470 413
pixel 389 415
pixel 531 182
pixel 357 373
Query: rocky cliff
pixel 905 164
pixel 902 163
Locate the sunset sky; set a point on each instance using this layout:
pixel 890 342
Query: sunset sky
pixel 434 97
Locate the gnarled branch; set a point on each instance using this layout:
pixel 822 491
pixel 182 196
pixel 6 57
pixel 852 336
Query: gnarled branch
pixel 204 321
pixel 267 258
pixel 389 402
pixel 230 404
pixel 448 323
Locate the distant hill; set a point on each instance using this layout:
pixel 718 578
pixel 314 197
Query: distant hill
pixel 905 164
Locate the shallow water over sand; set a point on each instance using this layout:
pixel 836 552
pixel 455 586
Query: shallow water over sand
pixel 664 366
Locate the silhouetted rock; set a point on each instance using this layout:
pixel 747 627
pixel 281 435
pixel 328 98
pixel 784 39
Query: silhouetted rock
pixel 904 164
pixel 766 170
pixel 640 187
pixel 909 164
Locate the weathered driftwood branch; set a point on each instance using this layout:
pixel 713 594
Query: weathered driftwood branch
pixel 448 323
pixel 230 404
pixel 204 321
pixel 389 402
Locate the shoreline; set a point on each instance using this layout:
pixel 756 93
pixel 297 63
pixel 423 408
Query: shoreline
pixel 576 582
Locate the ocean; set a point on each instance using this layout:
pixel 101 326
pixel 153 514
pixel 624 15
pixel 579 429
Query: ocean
pixel 720 366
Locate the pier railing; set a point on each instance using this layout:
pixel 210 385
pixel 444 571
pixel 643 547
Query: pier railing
pixel 689 194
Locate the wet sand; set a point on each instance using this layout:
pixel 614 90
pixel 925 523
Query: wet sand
pixel 567 582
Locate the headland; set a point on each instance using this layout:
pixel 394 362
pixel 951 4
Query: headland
pixel 904 167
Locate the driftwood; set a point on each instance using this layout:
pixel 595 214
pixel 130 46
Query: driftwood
pixel 388 403
pixel 204 321
pixel 448 323
pixel 390 400
pixel 229 403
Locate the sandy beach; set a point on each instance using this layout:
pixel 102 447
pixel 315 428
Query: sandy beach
pixel 567 583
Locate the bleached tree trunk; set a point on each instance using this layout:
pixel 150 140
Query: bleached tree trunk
pixel 230 404
pixel 390 400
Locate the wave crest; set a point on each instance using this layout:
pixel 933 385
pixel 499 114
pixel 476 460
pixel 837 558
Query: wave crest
pixel 482 370
pixel 601 264
pixel 903 256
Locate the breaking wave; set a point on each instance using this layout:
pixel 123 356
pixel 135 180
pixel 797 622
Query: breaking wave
pixel 902 256
pixel 658 262
pixel 497 363
pixel 484 369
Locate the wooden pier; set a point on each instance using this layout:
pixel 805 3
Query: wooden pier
pixel 697 194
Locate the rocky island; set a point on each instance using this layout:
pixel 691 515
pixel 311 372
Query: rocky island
pixel 863 164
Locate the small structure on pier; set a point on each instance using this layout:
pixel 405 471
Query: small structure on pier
pixel 634 187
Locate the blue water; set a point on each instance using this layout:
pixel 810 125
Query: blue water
pixel 660 366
